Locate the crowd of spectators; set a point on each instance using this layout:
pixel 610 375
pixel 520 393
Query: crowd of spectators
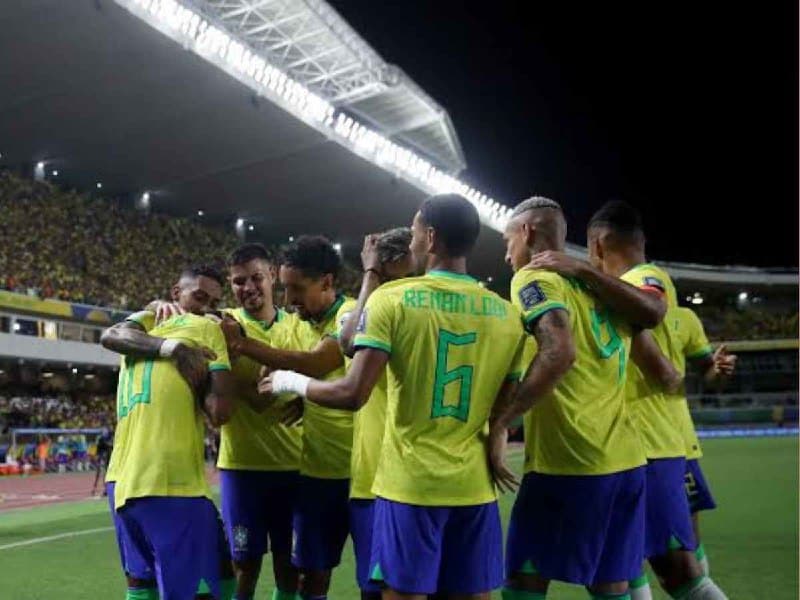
pixel 729 323
pixel 63 411
pixel 66 245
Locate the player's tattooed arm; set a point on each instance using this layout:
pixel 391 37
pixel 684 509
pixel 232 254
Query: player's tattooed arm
pixel 639 307
pixel 497 446
pixel 652 362
pixel 130 339
pixel 350 392
pixel 218 403
pixel 555 356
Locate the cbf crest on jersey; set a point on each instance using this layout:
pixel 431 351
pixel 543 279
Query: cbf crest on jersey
pixel 531 295
pixel 240 537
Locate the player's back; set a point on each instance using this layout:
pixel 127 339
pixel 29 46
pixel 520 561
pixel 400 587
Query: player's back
pixel 582 427
pixel 452 344
pixel 163 450
pixel 655 411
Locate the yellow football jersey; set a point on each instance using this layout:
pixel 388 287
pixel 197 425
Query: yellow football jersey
pixel 656 414
pixel 582 427
pixel 327 433
pixel 452 344
pixel 147 321
pixel 695 345
pixel 251 440
pixel 163 452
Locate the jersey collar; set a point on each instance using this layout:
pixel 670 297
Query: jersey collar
pixel 331 311
pixel 450 275
pixel 266 326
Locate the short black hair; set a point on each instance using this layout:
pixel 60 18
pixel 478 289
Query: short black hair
pixel 618 216
pixel 455 221
pixel 314 255
pixel 247 252
pixel 203 270
pixel 394 244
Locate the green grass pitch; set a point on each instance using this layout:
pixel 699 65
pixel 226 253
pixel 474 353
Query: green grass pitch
pixel 751 538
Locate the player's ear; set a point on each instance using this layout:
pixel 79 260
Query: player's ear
pixel 430 237
pixel 273 273
pixel 529 234
pixel 327 281
pixel 176 293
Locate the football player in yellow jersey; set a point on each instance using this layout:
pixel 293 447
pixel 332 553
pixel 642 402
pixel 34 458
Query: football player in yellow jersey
pixel 715 365
pixel 168 526
pixel 617 255
pixel 579 515
pixel 385 257
pixel 452 349
pixel 308 271
pixel 259 456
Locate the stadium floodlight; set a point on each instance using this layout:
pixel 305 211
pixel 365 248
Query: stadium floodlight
pixel 17 327
pixel 74 371
pixel 40 165
pixel 291 238
pixel 490 279
pixel 193 31
pixel 743 297
pixel 240 222
pixel 338 248
pixel 200 213
pixel 697 298
pixel 250 227
pixel 55 172
pixel 99 186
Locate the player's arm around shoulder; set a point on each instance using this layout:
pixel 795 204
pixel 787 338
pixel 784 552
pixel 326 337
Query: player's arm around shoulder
pixel 218 403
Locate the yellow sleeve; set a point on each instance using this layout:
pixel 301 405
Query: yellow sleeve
pixel 376 324
pixel 214 339
pixel 143 318
pixel 697 345
pixel 342 315
pixel 646 277
pixel 536 292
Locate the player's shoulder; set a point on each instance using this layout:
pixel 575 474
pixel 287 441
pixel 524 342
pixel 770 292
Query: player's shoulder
pixel 394 290
pixel 143 318
pixel 525 276
pixel 533 287
pixel 648 274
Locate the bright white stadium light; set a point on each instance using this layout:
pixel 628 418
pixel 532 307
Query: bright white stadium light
pixel 200 213
pixel 55 172
pixel 191 30
pixel 146 197
pixel 251 227
pixel 74 371
pixel 742 296
pixel 490 279
pixel 240 222
pixel 17 327
pixel 338 248
pixel 2 370
pixel 291 238
pixel 40 165
pixel 697 298
pixel 99 186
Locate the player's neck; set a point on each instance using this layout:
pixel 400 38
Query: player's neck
pixel 265 314
pixel 446 263
pixel 629 258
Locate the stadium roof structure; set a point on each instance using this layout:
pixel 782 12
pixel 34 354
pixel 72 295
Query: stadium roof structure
pixel 271 114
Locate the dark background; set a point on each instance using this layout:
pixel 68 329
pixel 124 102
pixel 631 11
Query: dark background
pixel 687 110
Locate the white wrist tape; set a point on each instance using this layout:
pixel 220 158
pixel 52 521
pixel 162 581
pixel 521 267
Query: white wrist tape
pixel 289 381
pixel 167 348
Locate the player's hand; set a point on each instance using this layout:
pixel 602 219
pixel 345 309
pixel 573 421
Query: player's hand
pixel 164 310
pixel 292 412
pixel 233 333
pixel 558 262
pixel 192 364
pixel 724 363
pixel 369 254
pixel 265 383
pixel 503 478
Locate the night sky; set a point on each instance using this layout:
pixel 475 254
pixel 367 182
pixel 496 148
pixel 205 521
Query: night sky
pixel 687 110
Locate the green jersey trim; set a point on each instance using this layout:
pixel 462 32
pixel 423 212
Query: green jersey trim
pixel 363 341
pixel 451 275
